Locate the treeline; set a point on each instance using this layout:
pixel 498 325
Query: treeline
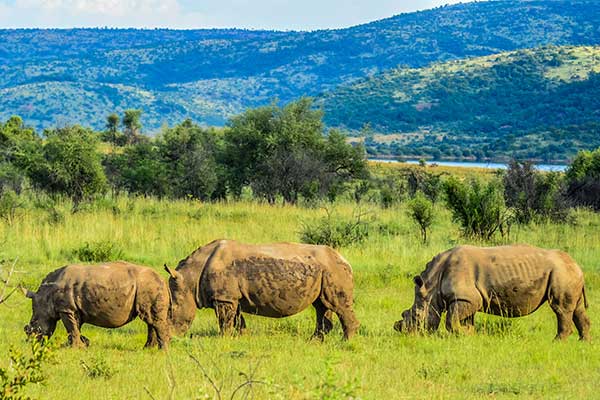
pixel 483 108
pixel 276 152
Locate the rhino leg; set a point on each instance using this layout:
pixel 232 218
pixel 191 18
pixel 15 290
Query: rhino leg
pixel 158 330
pixel 158 335
pixel 460 317
pixel 239 323
pixel 324 323
pixel 152 339
pixel 226 313
pixel 582 321
pixel 349 322
pixel 565 316
pixel 72 325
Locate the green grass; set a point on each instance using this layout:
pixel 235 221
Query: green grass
pixel 503 360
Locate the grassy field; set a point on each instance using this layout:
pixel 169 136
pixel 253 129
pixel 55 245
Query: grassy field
pixel 506 358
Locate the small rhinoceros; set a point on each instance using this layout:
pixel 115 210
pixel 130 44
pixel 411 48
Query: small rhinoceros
pixel 510 281
pixel 272 280
pixel 108 295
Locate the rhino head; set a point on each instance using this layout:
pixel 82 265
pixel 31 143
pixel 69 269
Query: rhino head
pixel 183 303
pixel 424 315
pixel 43 318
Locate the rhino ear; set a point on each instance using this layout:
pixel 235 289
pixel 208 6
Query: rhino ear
pixel 418 281
pixel 172 273
pixel 28 293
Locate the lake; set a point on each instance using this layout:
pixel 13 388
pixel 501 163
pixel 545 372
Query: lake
pixel 474 164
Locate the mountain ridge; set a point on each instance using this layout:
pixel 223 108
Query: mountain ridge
pixel 539 103
pixel 80 75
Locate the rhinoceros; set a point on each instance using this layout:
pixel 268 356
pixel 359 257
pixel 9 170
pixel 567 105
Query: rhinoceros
pixel 510 281
pixel 271 280
pixel 108 295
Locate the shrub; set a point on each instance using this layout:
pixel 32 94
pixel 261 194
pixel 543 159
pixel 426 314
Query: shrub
pixel 419 180
pixel 392 190
pixel 583 180
pixel 97 368
pixel 99 252
pixel 335 232
pixel 24 370
pixel 533 195
pixel 420 209
pixel 478 208
pixel 9 204
pixel 333 388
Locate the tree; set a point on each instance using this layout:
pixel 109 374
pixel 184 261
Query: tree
pixel 283 152
pixel 112 128
pixel 420 210
pixel 139 169
pixel 69 164
pixel 583 180
pixel 190 156
pixel 132 125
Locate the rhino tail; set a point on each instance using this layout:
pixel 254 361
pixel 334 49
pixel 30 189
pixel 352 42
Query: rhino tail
pixel 585 300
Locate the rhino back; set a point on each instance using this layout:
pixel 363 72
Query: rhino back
pixel 512 280
pixel 274 280
pixel 103 295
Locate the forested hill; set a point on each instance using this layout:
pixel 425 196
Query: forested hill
pixel 62 76
pixel 538 103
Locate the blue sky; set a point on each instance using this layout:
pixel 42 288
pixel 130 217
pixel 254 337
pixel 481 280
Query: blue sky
pixel 257 14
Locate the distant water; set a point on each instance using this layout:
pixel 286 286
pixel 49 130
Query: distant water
pixel 473 164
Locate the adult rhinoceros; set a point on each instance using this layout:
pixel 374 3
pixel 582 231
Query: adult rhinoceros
pixel 108 295
pixel 271 280
pixel 510 281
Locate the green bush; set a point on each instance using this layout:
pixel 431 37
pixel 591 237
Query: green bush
pixel 533 195
pixel 420 180
pixel 335 232
pixel 99 252
pixel 583 180
pixel 420 210
pixel 478 207
pixel 24 370
pixel 97 368
pixel 9 204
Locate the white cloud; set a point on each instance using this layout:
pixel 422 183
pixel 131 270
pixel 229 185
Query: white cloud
pixel 269 14
pixel 86 13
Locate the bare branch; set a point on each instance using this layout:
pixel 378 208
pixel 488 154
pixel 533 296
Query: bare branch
pixel 149 393
pixel 3 295
pixel 216 388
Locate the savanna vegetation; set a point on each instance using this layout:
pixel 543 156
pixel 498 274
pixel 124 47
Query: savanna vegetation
pixel 79 195
pixel 530 104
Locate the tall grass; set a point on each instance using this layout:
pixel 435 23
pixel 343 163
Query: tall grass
pixel 502 359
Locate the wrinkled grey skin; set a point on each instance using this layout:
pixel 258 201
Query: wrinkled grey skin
pixel 509 281
pixel 272 280
pixel 108 295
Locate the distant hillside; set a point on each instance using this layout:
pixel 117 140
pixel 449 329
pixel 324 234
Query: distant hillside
pixel 542 103
pixel 61 76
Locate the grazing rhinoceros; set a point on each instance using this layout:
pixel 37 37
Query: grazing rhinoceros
pixel 108 295
pixel 272 280
pixel 510 281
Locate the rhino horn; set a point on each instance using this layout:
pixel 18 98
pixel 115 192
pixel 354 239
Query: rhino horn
pixel 28 293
